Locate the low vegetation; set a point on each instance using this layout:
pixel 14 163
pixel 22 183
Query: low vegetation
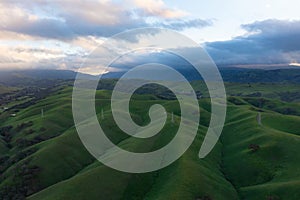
pixel 43 158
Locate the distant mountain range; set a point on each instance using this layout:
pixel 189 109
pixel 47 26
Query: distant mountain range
pixel 21 78
pixel 229 74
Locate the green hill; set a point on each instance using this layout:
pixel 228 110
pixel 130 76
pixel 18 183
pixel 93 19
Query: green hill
pixel 42 156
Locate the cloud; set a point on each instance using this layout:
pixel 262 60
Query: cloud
pixel 157 8
pixel 60 34
pixel 184 24
pixel 33 54
pixel 269 41
pixel 276 34
pixel 68 19
pixel 295 64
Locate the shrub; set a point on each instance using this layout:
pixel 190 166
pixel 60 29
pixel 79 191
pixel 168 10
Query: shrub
pixel 273 197
pixel 254 147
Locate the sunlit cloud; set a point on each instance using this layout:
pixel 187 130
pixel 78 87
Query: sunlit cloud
pixel 61 34
pixel 296 64
pixel 158 8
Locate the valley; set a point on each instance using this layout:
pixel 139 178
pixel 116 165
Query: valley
pixel 42 156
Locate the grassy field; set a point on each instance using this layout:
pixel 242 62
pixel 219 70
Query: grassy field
pixel 5 89
pixel 42 157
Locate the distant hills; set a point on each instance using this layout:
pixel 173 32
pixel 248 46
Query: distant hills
pixel 24 78
pixel 21 78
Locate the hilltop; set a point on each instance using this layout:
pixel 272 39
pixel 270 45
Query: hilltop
pixel 43 158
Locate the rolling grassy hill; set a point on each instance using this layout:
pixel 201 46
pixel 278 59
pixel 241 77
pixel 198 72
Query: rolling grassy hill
pixel 42 157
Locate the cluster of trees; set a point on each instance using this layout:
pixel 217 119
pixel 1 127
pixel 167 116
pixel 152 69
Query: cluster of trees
pixel 5 133
pixel 24 142
pixel 6 161
pixel 289 96
pixel 25 182
pixel 24 125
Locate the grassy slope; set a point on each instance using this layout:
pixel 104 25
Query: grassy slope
pixel 266 90
pixel 273 169
pixel 188 172
pixel 57 119
pixel 66 166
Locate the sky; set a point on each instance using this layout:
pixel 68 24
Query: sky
pixel 56 34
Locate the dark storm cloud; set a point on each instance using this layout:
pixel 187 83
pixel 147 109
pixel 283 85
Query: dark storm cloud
pixel 276 34
pixel 269 41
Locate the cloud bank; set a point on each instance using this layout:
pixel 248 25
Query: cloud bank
pixel 70 19
pixel 60 34
pixel 266 42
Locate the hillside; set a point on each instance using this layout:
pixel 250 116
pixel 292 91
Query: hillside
pixel 43 158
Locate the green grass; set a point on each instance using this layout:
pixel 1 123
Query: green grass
pixel 231 171
pixel 257 175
